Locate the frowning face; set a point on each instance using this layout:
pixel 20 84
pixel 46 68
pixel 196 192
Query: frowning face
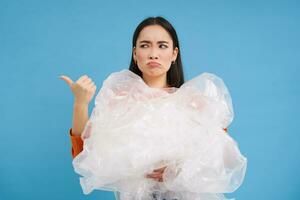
pixel 154 51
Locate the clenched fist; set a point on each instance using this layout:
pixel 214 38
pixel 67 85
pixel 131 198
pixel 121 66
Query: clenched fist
pixel 83 89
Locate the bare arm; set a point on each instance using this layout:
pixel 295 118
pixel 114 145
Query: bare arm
pixel 80 117
pixel 83 90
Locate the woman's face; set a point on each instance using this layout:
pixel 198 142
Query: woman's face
pixel 154 51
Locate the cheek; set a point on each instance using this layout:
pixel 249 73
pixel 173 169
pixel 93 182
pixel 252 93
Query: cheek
pixel 167 56
pixel 141 56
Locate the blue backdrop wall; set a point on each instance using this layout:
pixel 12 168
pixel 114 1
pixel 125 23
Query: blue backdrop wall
pixel 253 46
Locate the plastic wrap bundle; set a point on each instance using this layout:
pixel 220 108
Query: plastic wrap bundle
pixel 134 129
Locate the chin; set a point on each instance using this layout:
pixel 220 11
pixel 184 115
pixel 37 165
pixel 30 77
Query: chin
pixel 155 73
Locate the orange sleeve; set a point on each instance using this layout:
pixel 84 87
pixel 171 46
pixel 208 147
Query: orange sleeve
pixel 77 144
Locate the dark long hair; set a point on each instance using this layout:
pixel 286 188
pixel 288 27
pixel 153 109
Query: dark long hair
pixel 175 76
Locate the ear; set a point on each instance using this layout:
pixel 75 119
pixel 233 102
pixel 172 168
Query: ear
pixel 134 53
pixel 175 53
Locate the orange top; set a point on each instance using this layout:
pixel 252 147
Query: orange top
pixel 77 143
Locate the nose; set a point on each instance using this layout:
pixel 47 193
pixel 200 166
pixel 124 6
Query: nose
pixel 153 55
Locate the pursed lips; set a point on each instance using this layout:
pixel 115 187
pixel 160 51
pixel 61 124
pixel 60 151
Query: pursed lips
pixel 155 64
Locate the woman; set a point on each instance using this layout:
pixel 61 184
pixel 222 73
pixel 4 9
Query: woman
pixel 155 58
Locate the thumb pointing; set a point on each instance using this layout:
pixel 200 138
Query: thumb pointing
pixel 67 80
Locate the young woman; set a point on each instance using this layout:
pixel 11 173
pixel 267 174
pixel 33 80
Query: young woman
pixel 156 60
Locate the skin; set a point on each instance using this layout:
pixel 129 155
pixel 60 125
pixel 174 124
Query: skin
pixel 153 44
pixel 83 90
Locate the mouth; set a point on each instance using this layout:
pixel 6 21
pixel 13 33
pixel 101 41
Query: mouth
pixel 153 64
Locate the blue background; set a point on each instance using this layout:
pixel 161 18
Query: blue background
pixel 253 46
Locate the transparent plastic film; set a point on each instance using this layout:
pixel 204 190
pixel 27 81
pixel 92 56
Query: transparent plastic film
pixel 134 129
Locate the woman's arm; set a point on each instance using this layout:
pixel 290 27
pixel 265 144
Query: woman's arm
pixel 83 90
pixel 77 144
pixel 80 117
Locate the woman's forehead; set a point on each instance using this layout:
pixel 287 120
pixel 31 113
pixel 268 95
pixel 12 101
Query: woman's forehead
pixel 154 33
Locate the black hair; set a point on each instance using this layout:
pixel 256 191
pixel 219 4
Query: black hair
pixel 175 76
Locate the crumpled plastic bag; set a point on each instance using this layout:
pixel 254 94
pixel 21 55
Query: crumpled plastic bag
pixel 134 129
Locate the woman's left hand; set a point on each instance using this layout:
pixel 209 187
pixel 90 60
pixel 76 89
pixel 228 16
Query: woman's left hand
pixel 157 174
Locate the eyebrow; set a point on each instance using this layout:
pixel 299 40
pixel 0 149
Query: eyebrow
pixel 147 41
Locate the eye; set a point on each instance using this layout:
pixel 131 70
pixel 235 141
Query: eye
pixel 143 45
pixel 163 46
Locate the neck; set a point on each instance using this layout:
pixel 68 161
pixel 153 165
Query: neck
pixel 156 82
